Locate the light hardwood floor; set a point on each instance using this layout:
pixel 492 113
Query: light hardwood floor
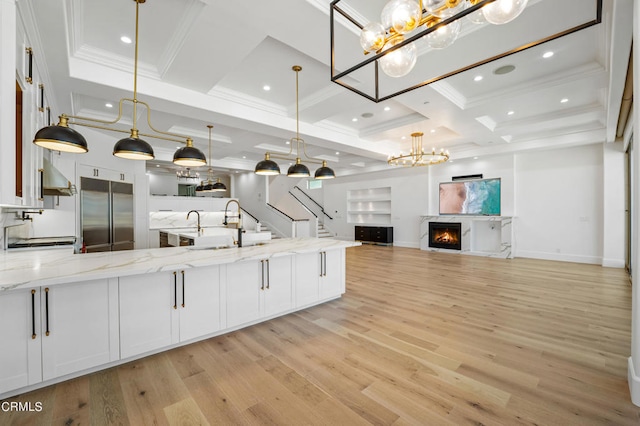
pixel 419 338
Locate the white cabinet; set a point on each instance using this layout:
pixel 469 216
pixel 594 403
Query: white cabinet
pixel 332 273
pixel 257 289
pixel 307 277
pixel 20 356
pixel 200 302
pixel 79 326
pixel 319 276
pixel 164 308
pixel 49 332
pixel 278 292
pixel 85 170
pixel 148 305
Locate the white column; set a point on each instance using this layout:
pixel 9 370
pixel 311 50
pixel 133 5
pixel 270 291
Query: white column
pixel 634 360
pixel 613 247
pixel 7 101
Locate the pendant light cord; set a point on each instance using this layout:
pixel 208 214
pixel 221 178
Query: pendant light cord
pixel 297 69
pixel 135 74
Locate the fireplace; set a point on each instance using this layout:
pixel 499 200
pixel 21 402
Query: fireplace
pixel 445 235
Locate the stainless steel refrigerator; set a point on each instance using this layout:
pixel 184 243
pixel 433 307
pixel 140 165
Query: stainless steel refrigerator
pixel 106 215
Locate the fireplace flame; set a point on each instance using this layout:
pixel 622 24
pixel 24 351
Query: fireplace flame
pixel 446 237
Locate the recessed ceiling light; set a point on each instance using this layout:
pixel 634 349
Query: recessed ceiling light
pixel 510 113
pixel 266 87
pixel 337 153
pixel 547 54
pixel 433 130
pixel 478 78
pixel 244 156
pixel 157 165
pixel 287 142
pixel 387 108
pixel 125 39
pixel 354 119
pixel 475 158
pixel 403 138
pixel 564 100
pixel 108 105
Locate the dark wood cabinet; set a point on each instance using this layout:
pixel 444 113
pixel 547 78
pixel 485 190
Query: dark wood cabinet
pixel 374 234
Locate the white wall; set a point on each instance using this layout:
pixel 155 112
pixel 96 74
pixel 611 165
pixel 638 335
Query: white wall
pixel 558 204
pixel 409 200
pixel 163 184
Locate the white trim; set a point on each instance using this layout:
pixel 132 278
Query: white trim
pixel 613 263
pixel 577 258
pixel 634 384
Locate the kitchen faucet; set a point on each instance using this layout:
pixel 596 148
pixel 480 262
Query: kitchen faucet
pixel 225 223
pixel 196 212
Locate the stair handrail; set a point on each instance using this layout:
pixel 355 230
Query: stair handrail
pixel 303 205
pixel 316 203
pixel 250 215
pixel 281 212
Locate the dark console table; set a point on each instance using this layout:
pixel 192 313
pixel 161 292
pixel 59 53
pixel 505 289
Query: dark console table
pixel 375 234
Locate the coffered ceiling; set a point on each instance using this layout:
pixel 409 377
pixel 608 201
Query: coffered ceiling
pixel 208 61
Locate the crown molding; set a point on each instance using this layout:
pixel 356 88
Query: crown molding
pixel 246 100
pixel 392 124
pixel 189 131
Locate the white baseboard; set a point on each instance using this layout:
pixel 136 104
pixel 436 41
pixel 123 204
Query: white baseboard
pixel 613 263
pixel 561 257
pixel 408 244
pixel 634 383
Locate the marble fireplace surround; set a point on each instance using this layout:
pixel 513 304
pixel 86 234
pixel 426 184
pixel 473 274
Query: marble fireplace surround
pixel 490 236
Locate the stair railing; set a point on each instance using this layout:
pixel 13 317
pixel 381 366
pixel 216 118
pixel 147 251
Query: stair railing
pixel 314 201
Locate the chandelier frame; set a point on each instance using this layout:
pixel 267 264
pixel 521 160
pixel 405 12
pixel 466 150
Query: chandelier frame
pixel 338 77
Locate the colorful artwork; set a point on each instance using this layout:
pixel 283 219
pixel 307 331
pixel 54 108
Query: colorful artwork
pixel 479 197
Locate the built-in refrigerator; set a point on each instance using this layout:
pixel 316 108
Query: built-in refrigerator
pixel 106 215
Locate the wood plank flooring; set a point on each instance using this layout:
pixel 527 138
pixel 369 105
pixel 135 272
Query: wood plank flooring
pixel 419 338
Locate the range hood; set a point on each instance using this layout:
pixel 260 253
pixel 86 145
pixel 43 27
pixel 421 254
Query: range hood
pixel 54 182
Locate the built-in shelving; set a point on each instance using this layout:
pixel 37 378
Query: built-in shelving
pixel 369 206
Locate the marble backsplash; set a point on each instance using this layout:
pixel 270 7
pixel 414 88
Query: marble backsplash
pixel 165 220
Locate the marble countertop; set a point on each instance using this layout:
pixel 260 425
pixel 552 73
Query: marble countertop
pixel 49 267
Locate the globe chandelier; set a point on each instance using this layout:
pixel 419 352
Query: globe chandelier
pixel 61 137
pixel 186 174
pixel 418 156
pixel 209 185
pixel 390 45
pixel 268 167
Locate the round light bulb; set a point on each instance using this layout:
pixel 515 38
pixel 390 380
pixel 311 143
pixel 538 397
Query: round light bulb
pixel 372 37
pixel 446 35
pixel 431 6
pixel 477 17
pixel 401 61
pixel 401 16
pixel 502 11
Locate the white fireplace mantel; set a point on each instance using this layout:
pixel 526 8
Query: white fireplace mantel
pixel 490 236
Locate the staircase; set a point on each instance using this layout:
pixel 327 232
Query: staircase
pixel 265 228
pixel 322 232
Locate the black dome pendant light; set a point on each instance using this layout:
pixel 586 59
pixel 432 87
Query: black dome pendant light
pixel 298 170
pixel 209 186
pixel 62 138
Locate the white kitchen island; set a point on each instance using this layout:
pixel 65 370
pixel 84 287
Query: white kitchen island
pixel 64 315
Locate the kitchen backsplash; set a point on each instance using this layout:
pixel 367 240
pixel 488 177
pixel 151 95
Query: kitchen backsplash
pixel 161 220
pixel 51 223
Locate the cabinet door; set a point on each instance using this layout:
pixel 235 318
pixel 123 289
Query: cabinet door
pixel 80 325
pixel 199 293
pixel 332 281
pixel 278 294
pixel 307 276
pixel 148 312
pixel 20 362
pixel 244 292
